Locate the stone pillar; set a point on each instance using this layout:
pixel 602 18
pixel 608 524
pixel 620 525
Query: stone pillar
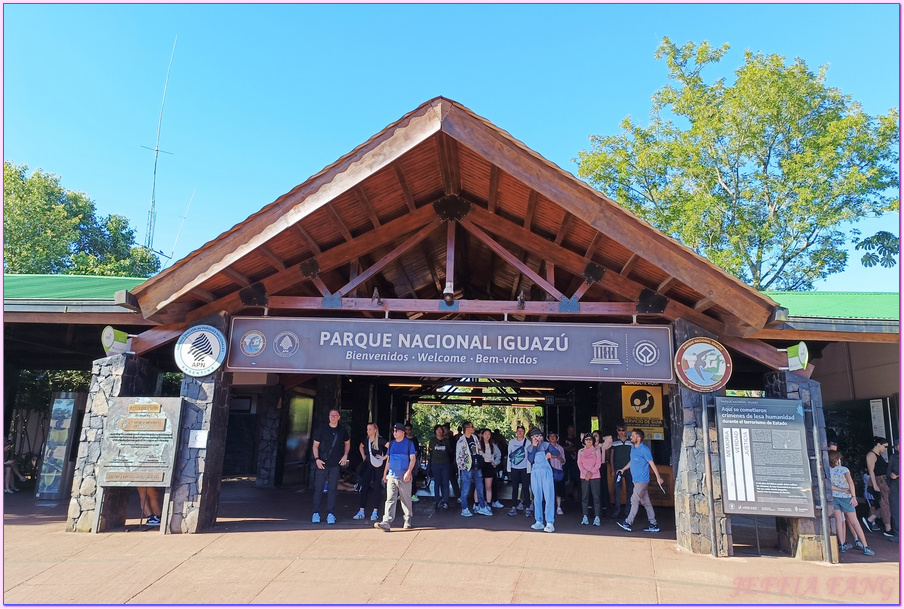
pixel 112 377
pixel 803 537
pixel 692 511
pixel 269 411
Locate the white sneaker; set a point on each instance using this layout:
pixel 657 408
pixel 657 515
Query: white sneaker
pixel 596 521
pixel 586 520
pixel 559 511
pixel 549 528
pixel 537 526
pixel 520 507
pixel 497 505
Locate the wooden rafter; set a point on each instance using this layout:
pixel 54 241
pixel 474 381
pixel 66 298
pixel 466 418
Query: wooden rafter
pixel 235 276
pixel 203 294
pixel 309 241
pixel 450 256
pixel 494 189
pixel 563 228
pixel 338 223
pixel 431 266
pixel 704 304
pixel 594 243
pixel 582 289
pixel 511 259
pixel 531 209
pixel 666 284
pixel 409 200
pixel 629 265
pixel 155 337
pixel 272 258
pixel 365 203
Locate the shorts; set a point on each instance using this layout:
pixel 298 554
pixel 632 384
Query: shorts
pixel 843 504
pixel 488 470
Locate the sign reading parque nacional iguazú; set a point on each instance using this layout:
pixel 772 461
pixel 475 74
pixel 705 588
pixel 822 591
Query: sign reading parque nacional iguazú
pixel 763 452
pixel 594 352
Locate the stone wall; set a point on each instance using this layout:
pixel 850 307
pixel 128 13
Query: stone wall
pixel 692 494
pixel 803 537
pixel 270 410
pixel 111 377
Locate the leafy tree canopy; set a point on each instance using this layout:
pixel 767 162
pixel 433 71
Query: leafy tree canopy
pixel 757 175
pixel 48 229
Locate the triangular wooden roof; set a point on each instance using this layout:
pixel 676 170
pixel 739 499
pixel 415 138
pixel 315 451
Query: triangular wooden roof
pixel 381 214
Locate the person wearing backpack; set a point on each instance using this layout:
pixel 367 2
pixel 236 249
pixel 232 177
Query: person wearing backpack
pixel 519 471
pixel 470 464
pixel 398 474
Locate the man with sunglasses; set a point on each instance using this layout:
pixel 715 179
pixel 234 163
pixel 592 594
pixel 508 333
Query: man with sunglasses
pixel 619 456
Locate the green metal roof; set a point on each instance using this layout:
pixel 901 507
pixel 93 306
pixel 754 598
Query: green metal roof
pixel 844 305
pixel 70 287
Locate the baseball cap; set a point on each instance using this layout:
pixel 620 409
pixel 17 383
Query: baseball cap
pixel 399 426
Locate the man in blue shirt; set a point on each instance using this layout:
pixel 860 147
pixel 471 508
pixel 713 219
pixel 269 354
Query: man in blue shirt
pixel 397 476
pixel 640 464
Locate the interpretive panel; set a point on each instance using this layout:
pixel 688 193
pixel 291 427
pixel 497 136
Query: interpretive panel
pixel 583 352
pixel 56 449
pixel 139 444
pixel 763 450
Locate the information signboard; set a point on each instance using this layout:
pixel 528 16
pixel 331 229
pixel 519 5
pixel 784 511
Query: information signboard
pixel 56 449
pixel 139 444
pixel 763 452
pixel 593 352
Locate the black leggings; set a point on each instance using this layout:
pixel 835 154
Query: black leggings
pixel 370 477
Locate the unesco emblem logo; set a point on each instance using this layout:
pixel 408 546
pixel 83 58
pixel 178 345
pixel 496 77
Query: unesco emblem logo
pixel 286 344
pixel 646 353
pixel 253 343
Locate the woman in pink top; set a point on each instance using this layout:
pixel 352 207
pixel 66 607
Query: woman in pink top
pixel 589 462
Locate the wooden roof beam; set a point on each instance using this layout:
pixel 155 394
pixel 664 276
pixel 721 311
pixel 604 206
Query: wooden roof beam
pixel 450 258
pixel 629 265
pixel 156 337
pixel 365 203
pixel 494 189
pixel 272 258
pixel 235 276
pixel 203 295
pixel 531 208
pixel 409 200
pixel 309 241
pixel 563 228
pixel 666 285
pixel 337 221
pixel 704 304
pixel 431 266
pixel 511 259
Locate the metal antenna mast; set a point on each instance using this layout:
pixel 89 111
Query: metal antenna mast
pixel 152 214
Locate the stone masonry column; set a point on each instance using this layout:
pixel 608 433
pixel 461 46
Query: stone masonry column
pixel 269 408
pixel 198 471
pixel 803 537
pixel 111 377
pixel 689 438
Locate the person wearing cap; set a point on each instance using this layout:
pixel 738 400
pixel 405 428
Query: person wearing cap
pixel 619 457
pixel 519 471
pixel 397 474
pixel 641 463
pixel 469 463
pixel 330 447
pixel 539 454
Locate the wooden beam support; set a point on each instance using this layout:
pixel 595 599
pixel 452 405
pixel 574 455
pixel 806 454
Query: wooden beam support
pixel 444 163
pixel 337 221
pixel 203 295
pixel 365 203
pixel 757 350
pixel 704 303
pixel 388 258
pixel 551 273
pixel 531 208
pixel 431 266
pixel 494 189
pixel 511 259
pixel 156 337
pixel 429 306
pixel 321 287
pixel 563 228
pixel 450 256
pixel 125 318
pixel 272 258
pixel 629 265
pixel 582 289
pixel 235 276
pixel 309 241
pixel 666 285
pixel 409 200
pixel 594 243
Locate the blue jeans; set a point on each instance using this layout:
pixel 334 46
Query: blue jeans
pixel 541 485
pixel 440 473
pixel 468 478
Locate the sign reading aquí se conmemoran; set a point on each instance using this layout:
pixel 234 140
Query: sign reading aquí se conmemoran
pixel 139 443
pixel 452 348
pixel 763 451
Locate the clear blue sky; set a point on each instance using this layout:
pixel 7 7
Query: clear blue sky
pixel 262 97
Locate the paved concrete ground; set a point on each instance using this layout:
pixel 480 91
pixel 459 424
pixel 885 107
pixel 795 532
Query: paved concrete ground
pixel 264 550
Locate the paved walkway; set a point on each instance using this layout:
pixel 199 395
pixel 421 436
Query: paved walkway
pixel 264 550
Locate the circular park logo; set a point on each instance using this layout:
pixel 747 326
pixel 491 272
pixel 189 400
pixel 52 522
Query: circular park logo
pixel 253 343
pixel 646 352
pixel 286 344
pixel 200 350
pixel 703 364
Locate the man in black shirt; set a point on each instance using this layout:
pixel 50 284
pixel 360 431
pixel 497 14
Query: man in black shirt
pixel 620 456
pixel 330 449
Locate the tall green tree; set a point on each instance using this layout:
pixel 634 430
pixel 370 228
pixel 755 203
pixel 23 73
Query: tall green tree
pixel 48 229
pixel 757 175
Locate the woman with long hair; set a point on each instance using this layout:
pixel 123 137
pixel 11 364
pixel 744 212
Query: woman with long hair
pixel 589 463
pixel 492 457
pixel 845 504
pixel 878 468
pixel 373 455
